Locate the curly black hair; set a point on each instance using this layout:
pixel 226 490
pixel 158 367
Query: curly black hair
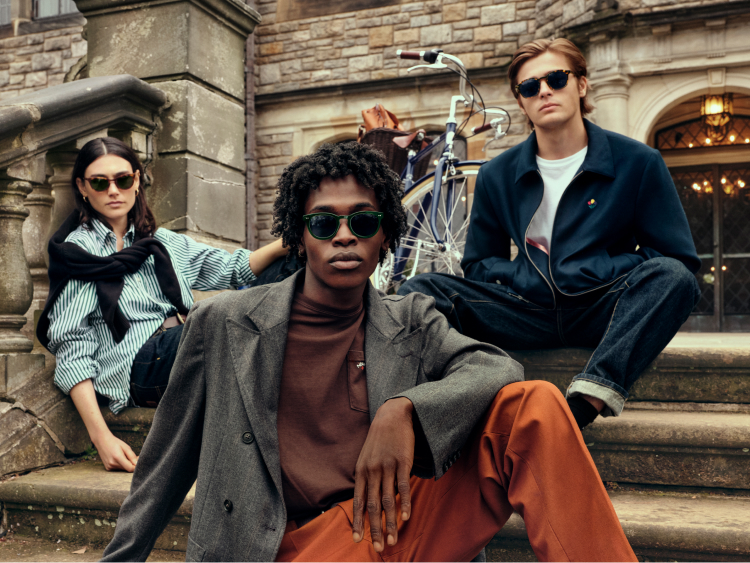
pixel 368 167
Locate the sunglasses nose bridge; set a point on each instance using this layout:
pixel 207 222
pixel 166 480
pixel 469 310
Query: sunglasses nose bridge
pixel 344 231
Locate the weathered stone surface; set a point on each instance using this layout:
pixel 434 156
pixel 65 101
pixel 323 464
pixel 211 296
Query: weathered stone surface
pixel 16 370
pixel 696 448
pixel 131 425
pixel 502 13
pixel 24 444
pixel 454 12
pixel 203 123
pixel 435 35
pixel 116 42
pixel 659 526
pixel 381 36
pixel 192 194
pixel 488 34
pixel 81 502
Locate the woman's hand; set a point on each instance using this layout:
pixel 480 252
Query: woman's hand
pixel 114 453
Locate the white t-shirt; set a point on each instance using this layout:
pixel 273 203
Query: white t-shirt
pixel 556 174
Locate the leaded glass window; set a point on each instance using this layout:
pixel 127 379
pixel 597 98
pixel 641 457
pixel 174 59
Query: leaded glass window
pixel 4 12
pixel 52 8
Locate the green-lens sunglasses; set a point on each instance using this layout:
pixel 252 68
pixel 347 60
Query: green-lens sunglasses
pixel 101 183
pixel 324 226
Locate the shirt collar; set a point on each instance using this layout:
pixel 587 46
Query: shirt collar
pixel 598 157
pixel 102 232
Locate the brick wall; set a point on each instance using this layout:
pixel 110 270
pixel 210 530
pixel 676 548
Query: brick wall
pixel 361 46
pixel 38 60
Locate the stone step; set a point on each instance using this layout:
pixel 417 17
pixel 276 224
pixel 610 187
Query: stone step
pixel 79 503
pixel 695 367
pixel 688 448
pixel 659 526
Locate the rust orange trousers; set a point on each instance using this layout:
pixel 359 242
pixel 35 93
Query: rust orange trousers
pixel 527 455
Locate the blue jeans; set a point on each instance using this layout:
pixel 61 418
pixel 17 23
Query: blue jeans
pixel 152 366
pixel 628 323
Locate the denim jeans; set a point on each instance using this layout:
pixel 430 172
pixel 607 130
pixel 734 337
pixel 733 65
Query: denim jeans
pixel 151 367
pixel 628 323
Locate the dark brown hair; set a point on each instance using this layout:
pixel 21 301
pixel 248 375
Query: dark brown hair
pixel 540 46
pixel 140 215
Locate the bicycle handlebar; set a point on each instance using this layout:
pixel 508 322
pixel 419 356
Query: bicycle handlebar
pixel 437 59
pixel 481 128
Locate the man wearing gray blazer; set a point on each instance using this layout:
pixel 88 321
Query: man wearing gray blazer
pixel 315 413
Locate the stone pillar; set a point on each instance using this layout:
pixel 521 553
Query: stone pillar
pixel 35 236
pixel 61 163
pixel 194 51
pixel 611 94
pixel 16 288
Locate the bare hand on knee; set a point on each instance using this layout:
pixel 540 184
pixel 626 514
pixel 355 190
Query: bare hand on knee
pixel 383 471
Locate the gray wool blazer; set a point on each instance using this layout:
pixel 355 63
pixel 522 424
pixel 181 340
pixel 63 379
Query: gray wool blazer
pixel 217 420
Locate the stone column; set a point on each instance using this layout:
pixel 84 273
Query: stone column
pixel 194 51
pixel 61 163
pixel 35 236
pixel 611 94
pixel 16 288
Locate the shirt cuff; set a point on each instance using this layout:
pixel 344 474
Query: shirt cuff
pixel 243 272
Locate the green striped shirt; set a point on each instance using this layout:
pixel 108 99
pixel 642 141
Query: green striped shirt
pixel 81 341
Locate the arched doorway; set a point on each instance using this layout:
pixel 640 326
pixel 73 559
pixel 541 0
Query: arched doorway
pixel 712 177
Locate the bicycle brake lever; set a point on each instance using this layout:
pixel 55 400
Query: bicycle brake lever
pixel 498 135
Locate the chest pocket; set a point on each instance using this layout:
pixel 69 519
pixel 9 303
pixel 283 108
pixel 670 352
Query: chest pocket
pixel 357 377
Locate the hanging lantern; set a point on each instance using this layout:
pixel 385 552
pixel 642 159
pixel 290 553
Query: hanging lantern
pixel 716 114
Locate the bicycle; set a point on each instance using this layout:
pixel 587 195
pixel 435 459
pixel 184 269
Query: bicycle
pixel 436 245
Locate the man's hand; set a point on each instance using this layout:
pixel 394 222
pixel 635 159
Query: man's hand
pixel 384 463
pixel 115 454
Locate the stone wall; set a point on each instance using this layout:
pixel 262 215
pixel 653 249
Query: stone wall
pixel 38 60
pixel 361 46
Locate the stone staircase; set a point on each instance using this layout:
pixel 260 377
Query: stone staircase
pixel 676 462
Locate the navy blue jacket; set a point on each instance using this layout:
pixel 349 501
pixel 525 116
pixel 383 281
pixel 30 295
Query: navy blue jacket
pixel 636 215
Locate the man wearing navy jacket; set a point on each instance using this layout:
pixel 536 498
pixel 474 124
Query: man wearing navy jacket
pixel 605 255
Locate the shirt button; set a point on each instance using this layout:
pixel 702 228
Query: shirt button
pixel 228 505
pixel 248 437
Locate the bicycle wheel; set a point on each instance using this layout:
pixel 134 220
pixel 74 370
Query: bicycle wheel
pixel 419 251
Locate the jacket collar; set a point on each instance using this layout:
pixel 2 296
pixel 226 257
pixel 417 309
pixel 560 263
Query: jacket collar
pixel 598 158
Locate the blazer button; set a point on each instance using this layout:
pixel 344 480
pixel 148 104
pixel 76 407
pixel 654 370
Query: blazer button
pixel 248 437
pixel 228 505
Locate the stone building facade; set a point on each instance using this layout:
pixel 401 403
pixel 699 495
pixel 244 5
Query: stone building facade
pixel 317 65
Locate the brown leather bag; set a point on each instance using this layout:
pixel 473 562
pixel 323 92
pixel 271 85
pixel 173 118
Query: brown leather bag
pixel 377 117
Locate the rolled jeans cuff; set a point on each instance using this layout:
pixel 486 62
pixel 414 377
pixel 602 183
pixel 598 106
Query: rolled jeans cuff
pixel 609 392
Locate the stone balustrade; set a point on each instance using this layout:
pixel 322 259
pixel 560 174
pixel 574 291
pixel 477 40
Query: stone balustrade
pixel 42 132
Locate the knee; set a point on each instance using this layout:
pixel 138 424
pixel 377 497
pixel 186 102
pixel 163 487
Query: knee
pixel 674 277
pixel 423 283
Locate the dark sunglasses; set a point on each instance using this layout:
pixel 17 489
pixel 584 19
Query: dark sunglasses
pixel 557 79
pixel 101 183
pixel 324 226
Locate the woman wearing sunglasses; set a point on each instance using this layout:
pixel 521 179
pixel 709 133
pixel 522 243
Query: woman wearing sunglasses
pixel 120 289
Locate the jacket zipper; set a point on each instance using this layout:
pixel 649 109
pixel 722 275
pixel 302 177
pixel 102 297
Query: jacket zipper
pixel 526 248
pixel 549 255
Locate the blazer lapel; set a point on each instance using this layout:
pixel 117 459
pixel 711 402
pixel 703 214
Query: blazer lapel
pixel 257 341
pixel 386 347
